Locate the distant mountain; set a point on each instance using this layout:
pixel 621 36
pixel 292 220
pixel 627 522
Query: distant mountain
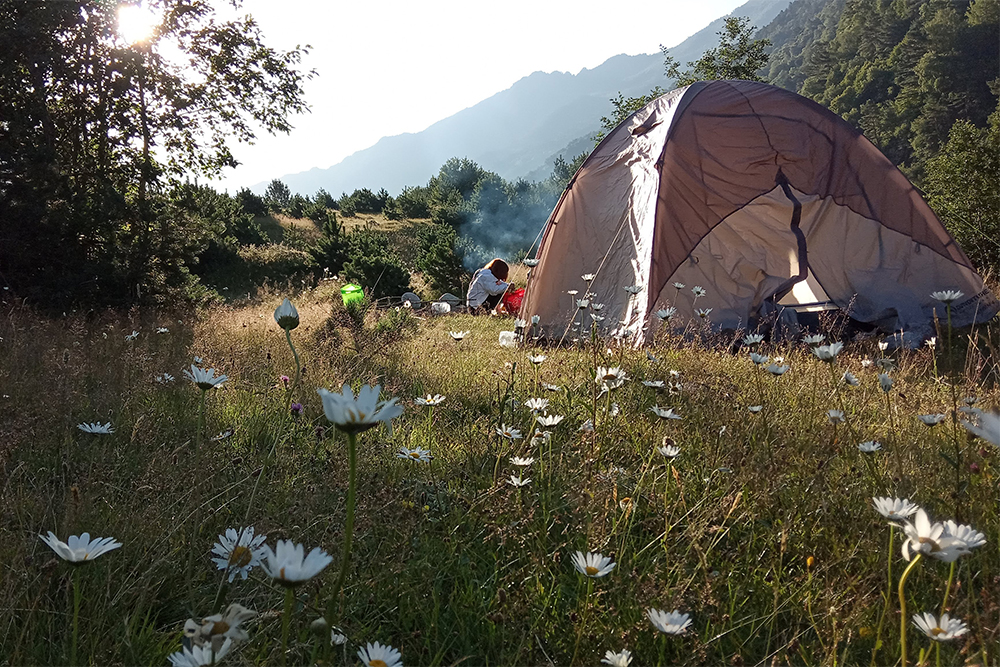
pixel 519 131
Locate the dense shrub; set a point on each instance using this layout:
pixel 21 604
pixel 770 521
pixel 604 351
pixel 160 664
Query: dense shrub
pixel 438 260
pixel 331 250
pixel 274 262
pixel 414 202
pixel 372 262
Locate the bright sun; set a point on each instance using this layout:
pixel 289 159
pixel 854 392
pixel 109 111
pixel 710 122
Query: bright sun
pixel 135 23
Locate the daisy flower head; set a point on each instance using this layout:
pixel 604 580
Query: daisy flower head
pixel 703 312
pixel 671 623
pixel 132 336
pixel 947 296
pixel 286 315
pixel 942 630
pixel 196 656
pixel 755 408
pixel 377 655
pixel 886 365
pixel 654 384
pixel 666 313
pixel 572 292
pixel 536 404
pixel 610 377
pixel 633 289
pixel 895 509
pixel 548 421
pixel 759 359
pixel 536 359
pixel 337 638
pixel 931 538
pixel 551 387
pixel 883 345
pixel 815 339
pixel 931 342
pixel 885 382
pixel 588 277
pixel 679 285
pixel 162 330
pixel 508 432
pixel 238 551
pixel 582 303
pixel 458 335
pixel 971 537
pixel 622 659
pixel 698 291
pixel 289 565
pixel 205 379
pixel 79 549
pixel 850 379
pixel 753 339
pixel 429 400
pixel 664 413
pixel 587 427
pixel 835 416
pixel 777 370
pixel 356 414
pixel 668 449
pixel 535 319
pixel 96 428
pixel 932 420
pixel 517 481
pixel 591 564
pixel 988 428
pixel 597 306
pixel 866 363
pixel 164 378
pixel 869 447
pixel 416 455
pixel 519 323
pixel 828 353
pixel 522 462
pixel 215 630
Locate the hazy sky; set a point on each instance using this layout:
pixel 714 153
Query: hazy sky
pixel 390 67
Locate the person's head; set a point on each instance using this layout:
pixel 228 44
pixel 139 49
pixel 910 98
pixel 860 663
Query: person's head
pixel 499 268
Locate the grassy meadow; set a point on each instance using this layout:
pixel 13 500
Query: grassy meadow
pixel 762 528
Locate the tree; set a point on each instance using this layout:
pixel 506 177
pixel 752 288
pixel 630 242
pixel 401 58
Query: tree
pixel 738 56
pixel 278 196
pixel 961 187
pixel 373 264
pixel 96 129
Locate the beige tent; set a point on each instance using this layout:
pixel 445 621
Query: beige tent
pixel 763 198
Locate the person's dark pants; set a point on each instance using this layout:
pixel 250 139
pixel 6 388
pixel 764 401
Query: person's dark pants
pixel 491 302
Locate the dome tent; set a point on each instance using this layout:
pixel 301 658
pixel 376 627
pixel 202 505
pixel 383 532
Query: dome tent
pixel 762 197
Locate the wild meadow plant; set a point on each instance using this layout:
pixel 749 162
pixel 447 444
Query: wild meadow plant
pixel 765 547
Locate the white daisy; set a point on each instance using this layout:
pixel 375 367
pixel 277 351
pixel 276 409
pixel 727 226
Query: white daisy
pixel 290 566
pixel 885 382
pixel 815 339
pixel 679 285
pixel 508 432
pixel 204 379
pixel 698 291
pixel 517 481
pixel 850 380
pixel 430 400
pixel 132 336
pixel 522 462
pixel 238 551
pixel 666 313
pixel 196 656
pixel 775 369
pixel 759 359
pixel 895 509
pixel 828 353
pixel 671 623
pixel 162 330
pixel 79 548
pixel 536 404
pixel 458 335
pixel 588 277
pixel 668 449
pixel 621 659
pixel 654 384
pixel 551 387
pixel 416 455
pixel 377 655
pixel 931 539
pixel 753 339
pixel 214 631
pixel 592 564
pixel 755 408
pixel 97 428
pixel 703 312
pixel 939 630
pixel 633 289
pixel 966 534
pixel 988 428
pixel 835 416
pixel 664 413
pixel 354 415
pixel 869 447
pixel 536 359
pixel 947 296
pixel 610 377
pixel 548 421
pixel 587 426
pixel 932 420
pixel 535 319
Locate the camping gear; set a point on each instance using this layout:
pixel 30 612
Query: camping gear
pixel 410 298
pixel 512 300
pixel 440 308
pixel 764 199
pixel 351 293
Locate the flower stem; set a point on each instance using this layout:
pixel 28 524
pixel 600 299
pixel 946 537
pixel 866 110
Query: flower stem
pixel 902 608
pixel 947 589
pixel 298 371
pixel 352 453
pixel 888 593
pixel 76 615
pixel 286 622
pixel 200 436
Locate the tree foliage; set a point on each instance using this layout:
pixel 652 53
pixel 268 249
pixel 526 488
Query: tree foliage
pixel 738 56
pixel 94 131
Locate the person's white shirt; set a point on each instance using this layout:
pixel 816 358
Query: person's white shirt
pixel 484 284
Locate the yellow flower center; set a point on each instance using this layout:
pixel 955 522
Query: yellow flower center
pixel 415 455
pixel 240 557
pixel 590 570
pixel 377 663
pixel 937 631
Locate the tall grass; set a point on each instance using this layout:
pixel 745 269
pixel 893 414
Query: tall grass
pixel 762 528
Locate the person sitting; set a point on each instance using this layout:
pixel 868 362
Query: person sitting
pixel 488 286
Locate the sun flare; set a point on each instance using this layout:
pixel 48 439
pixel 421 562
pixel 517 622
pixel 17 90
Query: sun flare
pixel 135 23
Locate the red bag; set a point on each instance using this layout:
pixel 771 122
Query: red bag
pixel 512 300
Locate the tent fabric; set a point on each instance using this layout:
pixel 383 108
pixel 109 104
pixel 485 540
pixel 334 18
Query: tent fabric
pixel 757 194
